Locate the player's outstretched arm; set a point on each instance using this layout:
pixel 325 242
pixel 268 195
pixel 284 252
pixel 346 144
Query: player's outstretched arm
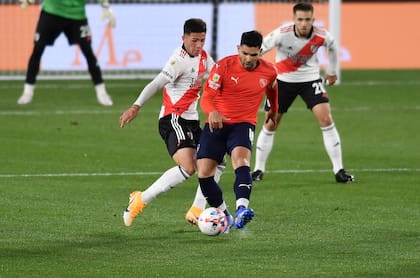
pixel 107 13
pixel 150 90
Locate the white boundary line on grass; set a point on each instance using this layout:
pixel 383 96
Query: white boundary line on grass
pixel 101 112
pixel 292 171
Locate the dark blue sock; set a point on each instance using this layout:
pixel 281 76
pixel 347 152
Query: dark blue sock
pixel 212 191
pixel 243 183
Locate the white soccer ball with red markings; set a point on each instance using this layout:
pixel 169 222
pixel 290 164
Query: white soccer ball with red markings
pixel 212 221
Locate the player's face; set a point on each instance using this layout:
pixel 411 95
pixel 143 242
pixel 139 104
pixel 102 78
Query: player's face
pixel 303 22
pixel 194 43
pixel 249 56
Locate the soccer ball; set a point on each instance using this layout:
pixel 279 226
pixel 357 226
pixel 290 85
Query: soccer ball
pixel 212 221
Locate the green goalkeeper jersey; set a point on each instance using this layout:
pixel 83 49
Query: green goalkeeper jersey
pixel 72 9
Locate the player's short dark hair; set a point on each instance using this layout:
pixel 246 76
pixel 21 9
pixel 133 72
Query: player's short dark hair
pixel 195 25
pixel 306 7
pixel 252 39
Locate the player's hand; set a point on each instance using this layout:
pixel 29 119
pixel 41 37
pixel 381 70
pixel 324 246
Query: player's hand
pixel 108 15
pixel 129 115
pixel 215 120
pixel 330 80
pixel 25 3
pixel 273 116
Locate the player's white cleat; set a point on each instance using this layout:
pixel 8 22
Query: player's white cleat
pixel 28 93
pixel 104 99
pixel 102 96
pixel 25 98
pixel 135 206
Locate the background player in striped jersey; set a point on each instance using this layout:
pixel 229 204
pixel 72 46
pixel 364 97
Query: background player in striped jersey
pixel 299 74
pixel 179 125
pixel 231 99
pixel 68 17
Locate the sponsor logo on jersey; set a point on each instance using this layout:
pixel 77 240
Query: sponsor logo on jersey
pixel 167 74
pixel 235 79
pixel 215 77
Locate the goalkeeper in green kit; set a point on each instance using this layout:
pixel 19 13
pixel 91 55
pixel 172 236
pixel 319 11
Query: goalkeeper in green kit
pixel 68 17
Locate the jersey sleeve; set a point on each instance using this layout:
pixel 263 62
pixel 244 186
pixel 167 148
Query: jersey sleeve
pixel 272 95
pixel 174 67
pixel 332 50
pixel 150 90
pixel 211 88
pixel 271 41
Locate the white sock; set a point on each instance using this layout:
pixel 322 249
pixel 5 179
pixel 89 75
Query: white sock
pixel 28 89
pixel 222 207
pixel 199 199
pixel 219 171
pixel 332 144
pixel 242 202
pixel 171 178
pixel 265 143
pixel 100 88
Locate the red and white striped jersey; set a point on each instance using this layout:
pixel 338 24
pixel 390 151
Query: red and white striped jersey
pixel 185 75
pixel 296 59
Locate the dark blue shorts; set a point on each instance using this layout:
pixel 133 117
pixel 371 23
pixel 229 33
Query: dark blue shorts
pixel 216 144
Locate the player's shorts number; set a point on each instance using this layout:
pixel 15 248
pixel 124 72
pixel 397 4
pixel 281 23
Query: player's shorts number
pixel 85 31
pixel 318 87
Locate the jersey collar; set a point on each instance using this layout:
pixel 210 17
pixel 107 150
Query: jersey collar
pixel 309 35
pixel 183 47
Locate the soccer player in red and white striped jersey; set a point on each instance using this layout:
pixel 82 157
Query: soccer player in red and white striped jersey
pixel 299 75
pixel 179 126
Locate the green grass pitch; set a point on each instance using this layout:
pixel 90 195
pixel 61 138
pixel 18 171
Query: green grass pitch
pixel 67 169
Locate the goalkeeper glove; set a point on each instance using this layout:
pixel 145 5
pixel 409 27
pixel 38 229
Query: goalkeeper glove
pixel 25 3
pixel 107 13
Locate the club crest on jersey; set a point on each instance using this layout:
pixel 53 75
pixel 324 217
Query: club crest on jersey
pixel 263 82
pixel 172 63
pixel 314 48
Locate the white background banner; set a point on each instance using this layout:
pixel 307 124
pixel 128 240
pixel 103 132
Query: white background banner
pixel 146 35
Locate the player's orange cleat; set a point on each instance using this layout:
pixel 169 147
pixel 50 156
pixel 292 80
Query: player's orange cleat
pixel 135 206
pixel 192 215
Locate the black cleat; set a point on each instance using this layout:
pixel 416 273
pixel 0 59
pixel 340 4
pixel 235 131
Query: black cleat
pixel 257 175
pixel 344 177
